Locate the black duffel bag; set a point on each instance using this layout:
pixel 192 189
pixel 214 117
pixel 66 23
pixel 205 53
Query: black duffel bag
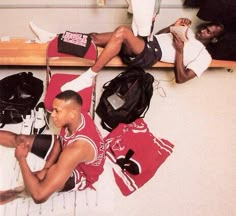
pixel 19 93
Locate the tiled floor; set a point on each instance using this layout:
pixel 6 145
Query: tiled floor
pixel 198 179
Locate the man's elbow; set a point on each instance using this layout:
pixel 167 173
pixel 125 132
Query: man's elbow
pixel 181 80
pixel 184 76
pixel 39 198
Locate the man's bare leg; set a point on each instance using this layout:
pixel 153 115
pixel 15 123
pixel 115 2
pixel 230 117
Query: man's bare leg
pixel 122 35
pixel 11 140
pixel 101 39
pixel 114 41
pixel 12 194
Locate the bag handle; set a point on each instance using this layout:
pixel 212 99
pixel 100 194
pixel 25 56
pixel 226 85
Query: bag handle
pixel 144 112
pixel 105 126
pixel 108 82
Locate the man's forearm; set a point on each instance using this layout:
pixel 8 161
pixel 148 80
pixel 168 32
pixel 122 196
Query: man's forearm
pixel 182 74
pixel 30 180
pixel 179 70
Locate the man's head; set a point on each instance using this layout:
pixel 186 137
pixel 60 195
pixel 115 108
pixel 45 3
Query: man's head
pixel 66 108
pixel 209 32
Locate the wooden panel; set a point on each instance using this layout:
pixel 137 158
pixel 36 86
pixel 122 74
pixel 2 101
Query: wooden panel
pixel 18 52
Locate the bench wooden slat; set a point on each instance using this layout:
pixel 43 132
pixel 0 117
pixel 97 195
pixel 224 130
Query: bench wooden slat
pixel 18 52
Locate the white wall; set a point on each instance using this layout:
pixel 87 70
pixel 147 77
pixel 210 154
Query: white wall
pixel 81 16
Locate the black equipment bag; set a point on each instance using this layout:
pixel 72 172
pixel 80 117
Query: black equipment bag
pixel 19 93
pixel 125 98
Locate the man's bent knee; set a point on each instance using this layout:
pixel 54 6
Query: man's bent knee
pixel 122 32
pixel 24 139
pixel 94 37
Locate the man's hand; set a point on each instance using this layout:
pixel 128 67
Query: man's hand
pixel 21 151
pixel 183 22
pixel 178 43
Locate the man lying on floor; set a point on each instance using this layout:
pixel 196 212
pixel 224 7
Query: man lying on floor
pixel 74 159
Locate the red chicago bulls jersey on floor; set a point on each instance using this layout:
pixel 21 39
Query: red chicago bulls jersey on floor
pixel 135 154
pixel 85 174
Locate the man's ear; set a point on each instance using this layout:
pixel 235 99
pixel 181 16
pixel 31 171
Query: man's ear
pixel 214 40
pixel 72 114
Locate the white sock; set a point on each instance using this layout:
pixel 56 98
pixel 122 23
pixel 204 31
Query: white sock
pixel 43 35
pixel 85 80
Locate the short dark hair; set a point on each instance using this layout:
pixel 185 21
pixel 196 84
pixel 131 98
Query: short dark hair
pixel 70 95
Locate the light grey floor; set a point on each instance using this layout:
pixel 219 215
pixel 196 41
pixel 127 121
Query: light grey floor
pixel 198 179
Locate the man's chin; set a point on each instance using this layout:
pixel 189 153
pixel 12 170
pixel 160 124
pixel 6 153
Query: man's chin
pixel 197 36
pixel 56 124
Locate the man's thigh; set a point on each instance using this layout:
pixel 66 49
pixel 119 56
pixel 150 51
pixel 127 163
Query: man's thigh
pixel 149 56
pixel 43 144
pixel 133 45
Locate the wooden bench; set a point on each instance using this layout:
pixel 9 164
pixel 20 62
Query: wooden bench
pixel 18 52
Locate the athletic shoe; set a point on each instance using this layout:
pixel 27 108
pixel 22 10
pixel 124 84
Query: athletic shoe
pixel 40 123
pixel 27 124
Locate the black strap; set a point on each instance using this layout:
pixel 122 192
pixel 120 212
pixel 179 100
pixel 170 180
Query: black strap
pixel 105 126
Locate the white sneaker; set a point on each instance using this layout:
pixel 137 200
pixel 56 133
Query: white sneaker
pixel 41 123
pixel 27 124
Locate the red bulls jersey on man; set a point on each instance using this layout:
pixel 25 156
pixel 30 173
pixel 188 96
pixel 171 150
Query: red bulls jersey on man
pixel 85 174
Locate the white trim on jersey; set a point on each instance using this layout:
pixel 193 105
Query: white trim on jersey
pixel 79 128
pixel 81 184
pixel 163 145
pixel 50 148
